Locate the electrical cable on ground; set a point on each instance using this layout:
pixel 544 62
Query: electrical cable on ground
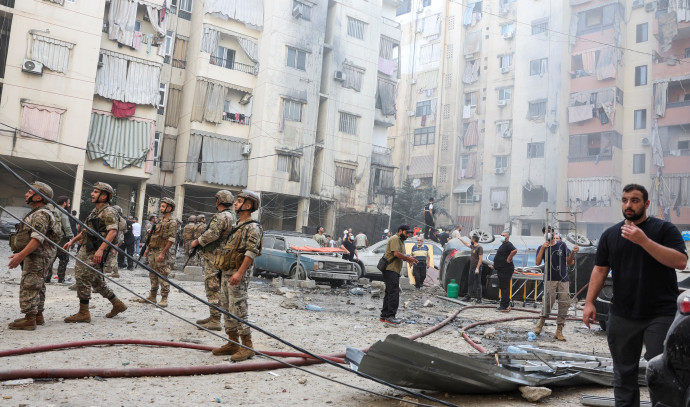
pixel 221 310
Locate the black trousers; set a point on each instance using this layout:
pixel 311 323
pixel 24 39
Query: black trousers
pixel 63 259
pixel 625 337
pixel 419 274
pixel 129 248
pixel 474 283
pixel 391 299
pixel 428 225
pixel 505 274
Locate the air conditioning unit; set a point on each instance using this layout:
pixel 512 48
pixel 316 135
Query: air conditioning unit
pixel 637 4
pixel 339 76
pixel 505 69
pixel 502 103
pixel 496 205
pixel 645 141
pixel 649 7
pixel 297 11
pixel 507 134
pixel 508 36
pixel 246 98
pixel 33 67
pixel 246 149
pixel 476 198
pixel 500 171
pixel 411 113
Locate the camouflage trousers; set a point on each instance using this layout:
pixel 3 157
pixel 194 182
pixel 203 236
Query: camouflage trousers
pixel 110 265
pixel 233 298
pixel 63 260
pixel 88 279
pixel 557 291
pixel 211 284
pixel 32 288
pixel 194 261
pixel 162 268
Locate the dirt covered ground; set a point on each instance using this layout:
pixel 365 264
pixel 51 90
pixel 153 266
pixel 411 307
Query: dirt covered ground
pixel 346 319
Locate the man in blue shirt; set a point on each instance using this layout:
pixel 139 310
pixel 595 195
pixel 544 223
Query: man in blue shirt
pixel 420 252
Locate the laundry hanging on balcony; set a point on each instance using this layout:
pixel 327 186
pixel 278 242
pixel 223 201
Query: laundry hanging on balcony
pixel 660 98
pixel 251 13
pixel 216 159
pixel 128 79
pixel 119 142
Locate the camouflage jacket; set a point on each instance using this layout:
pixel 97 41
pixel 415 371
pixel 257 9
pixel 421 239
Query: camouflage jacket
pixel 42 220
pixel 102 221
pixel 188 231
pixel 245 242
pixel 219 228
pixel 199 229
pixel 166 231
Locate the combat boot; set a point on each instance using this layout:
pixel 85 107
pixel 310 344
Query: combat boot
pixel 213 323
pixel 151 297
pixel 82 316
pixel 164 300
pixel 230 348
pixel 39 319
pixel 540 325
pixel 203 321
pixel 244 353
pixel 73 287
pixel 115 274
pixel 559 333
pixel 118 307
pixel 28 323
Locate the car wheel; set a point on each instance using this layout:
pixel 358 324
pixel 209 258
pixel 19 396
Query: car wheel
pixel 483 236
pixel 298 273
pixel 359 270
pixel 578 239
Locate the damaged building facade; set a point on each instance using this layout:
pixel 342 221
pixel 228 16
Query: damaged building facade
pixel 292 99
pixel 511 109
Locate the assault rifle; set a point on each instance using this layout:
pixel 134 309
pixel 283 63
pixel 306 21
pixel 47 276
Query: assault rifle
pixel 145 245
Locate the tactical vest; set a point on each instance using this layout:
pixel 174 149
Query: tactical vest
pixel 188 233
pixel 211 247
pixel 57 223
pixel 93 222
pixel 229 257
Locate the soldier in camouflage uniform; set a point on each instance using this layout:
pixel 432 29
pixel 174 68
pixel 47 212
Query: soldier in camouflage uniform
pixel 199 229
pixel 111 262
pixel 67 234
pixel 160 252
pixel 243 246
pixel 37 254
pixel 104 220
pixel 188 236
pixel 211 241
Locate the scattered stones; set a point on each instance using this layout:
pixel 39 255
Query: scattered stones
pixel 376 293
pixel 378 284
pixel 291 294
pixel 282 290
pixel 290 304
pixel 363 281
pixel 406 304
pixel 264 297
pixel 307 284
pixel 277 282
pixel 534 393
pixel 490 333
pixel 302 380
pixel 428 303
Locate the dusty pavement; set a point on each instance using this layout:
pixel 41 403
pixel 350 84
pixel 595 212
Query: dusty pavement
pixel 345 319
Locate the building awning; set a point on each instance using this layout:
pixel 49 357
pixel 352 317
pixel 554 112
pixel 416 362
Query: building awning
pixel 421 167
pixel 119 142
pixel 462 188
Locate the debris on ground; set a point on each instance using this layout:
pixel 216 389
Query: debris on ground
pixel 534 393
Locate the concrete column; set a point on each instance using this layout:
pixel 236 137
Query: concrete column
pixel 78 184
pixel 179 201
pixel 141 201
pixel 302 214
pixel 124 197
pixel 329 222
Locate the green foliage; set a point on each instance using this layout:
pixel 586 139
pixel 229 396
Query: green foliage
pixel 408 206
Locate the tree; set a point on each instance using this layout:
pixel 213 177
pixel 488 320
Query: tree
pixel 409 202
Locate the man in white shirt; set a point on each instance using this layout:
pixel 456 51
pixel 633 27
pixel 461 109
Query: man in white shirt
pixel 361 241
pixel 136 231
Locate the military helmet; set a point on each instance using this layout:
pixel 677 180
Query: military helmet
pixel 168 201
pixel 43 188
pixel 252 197
pixel 192 219
pixel 118 209
pixel 225 197
pixel 201 218
pixel 103 187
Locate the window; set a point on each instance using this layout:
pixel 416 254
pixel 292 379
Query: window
pixel 344 176
pixel 640 119
pixel 404 8
pixel 535 150
pixel 180 53
pixel 641 33
pixel 162 90
pixel 355 28
pixel 348 123
pixel 186 9
pixel 503 129
pixel 423 108
pixel 137 26
pixel 304 9
pixel 594 17
pixel 537 109
pixel 283 163
pixel 593 146
pixel 353 77
pixel 424 136
pixel 538 66
pixel 640 75
pixel 288 163
pixel 465 198
pixel 532 197
pixel 279 244
pixel 296 59
pixel 292 110
pixel 426 3
pixel 471 99
pixel 507 30
pixel 639 161
pixel 501 162
pixel 504 94
pixel 156 149
pixel 684 144
pixel 540 26
pixel 506 61
pixel 383 178
pixel 225 58
pixel 429 53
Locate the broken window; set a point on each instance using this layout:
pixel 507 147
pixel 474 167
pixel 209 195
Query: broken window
pixel 471 99
pixel 353 77
pixel 533 196
pixel 344 176
pixel 503 129
pixel 288 163
pixel 303 9
pixel 465 198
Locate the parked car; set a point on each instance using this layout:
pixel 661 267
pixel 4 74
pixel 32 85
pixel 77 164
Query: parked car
pixel 7 222
pixel 369 257
pixel 277 257
pixel 668 374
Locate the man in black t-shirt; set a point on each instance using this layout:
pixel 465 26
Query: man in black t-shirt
pixel 429 218
pixel 503 264
pixel 641 253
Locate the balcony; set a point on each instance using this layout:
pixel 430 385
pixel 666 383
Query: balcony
pixel 232 65
pixel 236 118
pixel 381 156
pixel 677 113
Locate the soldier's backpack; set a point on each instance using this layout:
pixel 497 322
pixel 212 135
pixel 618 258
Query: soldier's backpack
pixel 55 233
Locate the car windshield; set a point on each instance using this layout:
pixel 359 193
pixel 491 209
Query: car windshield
pixel 521 260
pixel 17 211
pixel 299 241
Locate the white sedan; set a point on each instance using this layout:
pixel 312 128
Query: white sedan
pixel 369 257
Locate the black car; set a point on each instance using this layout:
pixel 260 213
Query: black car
pixel 7 221
pixel 668 374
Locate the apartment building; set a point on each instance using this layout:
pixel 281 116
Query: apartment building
pixel 291 99
pixel 554 107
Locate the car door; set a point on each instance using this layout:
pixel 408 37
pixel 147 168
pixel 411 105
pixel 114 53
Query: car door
pixel 280 258
pixel 374 255
pixel 261 262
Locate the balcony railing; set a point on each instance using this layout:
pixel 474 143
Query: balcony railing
pixel 235 66
pixel 236 118
pixel 381 156
pixel 678 104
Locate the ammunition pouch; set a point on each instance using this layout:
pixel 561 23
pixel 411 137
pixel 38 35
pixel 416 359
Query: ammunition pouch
pixel 157 242
pixel 211 247
pixel 20 239
pixel 221 260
